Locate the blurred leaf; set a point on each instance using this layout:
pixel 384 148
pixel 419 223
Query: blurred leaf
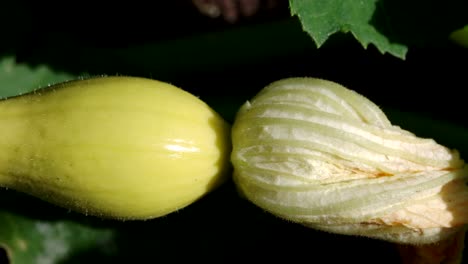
pixel 16 79
pixel 27 240
pixel 460 36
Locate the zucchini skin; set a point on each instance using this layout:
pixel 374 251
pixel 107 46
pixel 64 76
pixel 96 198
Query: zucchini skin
pixel 113 147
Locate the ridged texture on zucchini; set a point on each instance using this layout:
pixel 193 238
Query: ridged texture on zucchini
pixel 117 147
pixel 314 152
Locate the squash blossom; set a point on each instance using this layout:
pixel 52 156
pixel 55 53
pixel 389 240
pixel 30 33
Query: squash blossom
pixel 316 153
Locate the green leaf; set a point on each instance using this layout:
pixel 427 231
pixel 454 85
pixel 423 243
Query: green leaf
pixel 323 18
pixel 16 79
pixel 28 240
pixel 460 36
pixel 392 26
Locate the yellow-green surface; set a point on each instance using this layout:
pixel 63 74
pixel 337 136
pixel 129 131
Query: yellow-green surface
pixel 120 147
pixel 317 153
pixel 460 36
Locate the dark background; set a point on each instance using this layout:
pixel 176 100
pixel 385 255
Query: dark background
pixel 171 41
pixel 225 65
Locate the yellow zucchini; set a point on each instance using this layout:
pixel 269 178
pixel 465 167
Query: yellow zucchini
pixel 114 147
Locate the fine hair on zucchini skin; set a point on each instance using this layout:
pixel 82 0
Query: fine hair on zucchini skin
pixel 57 85
pixel 114 147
